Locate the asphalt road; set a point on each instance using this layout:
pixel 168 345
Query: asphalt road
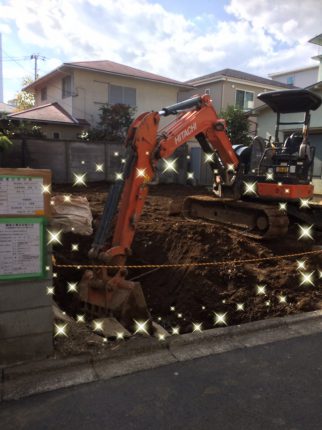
pixel 274 386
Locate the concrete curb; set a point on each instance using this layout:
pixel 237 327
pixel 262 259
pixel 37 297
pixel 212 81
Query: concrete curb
pixel 146 353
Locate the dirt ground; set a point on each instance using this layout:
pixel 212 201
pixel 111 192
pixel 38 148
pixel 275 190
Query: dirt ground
pixel 179 297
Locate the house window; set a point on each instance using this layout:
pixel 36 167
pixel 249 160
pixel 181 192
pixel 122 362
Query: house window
pixel 244 99
pixel 207 91
pixel 56 135
pixel 125 95
pixel 43 94
pixel 290 80
pixel 66 86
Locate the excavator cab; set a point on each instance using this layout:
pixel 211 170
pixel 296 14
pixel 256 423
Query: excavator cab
pixel 292 159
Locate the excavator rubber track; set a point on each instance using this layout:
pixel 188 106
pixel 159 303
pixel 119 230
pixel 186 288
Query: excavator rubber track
pixel 255 220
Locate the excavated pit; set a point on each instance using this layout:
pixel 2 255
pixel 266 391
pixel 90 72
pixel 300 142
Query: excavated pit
pixel 181 296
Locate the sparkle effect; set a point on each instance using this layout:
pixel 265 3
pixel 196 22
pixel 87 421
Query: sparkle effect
pixel 140 173
pixel 190 175
pixel 197 327
pixel 141 327
pixel 79 179
pixel 175 330
pixel 74 246
pixel 54 237
pixel 60 330
pixel 161 336
pixel 300 264
pixel 67 198
pixel 80 318
pixel 269 176
pixel 172 308
pixel 282 206
pixel 170 166
pixel 240 307
pixel 282 299
pixel 119 176
pixel 230 168
pixel 220 319
pixel 72 287
pixel 305 232
pixel 98 325
pixel 209 158
pixel 260 289
pixel 119 335
pixel 45 189
pixel 250 188
pixel 99 167
pixel 50 291
pixel 307 278
pixel 304 203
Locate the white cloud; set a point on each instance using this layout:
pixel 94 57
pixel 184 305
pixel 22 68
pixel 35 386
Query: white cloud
pixel 260 36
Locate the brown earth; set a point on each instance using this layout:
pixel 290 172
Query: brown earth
pixel 179 297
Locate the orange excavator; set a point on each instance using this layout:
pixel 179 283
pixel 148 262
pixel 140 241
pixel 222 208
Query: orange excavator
pixel 250 184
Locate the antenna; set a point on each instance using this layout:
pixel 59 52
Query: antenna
pixel 36 57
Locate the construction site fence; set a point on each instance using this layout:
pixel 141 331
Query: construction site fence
pixel 99 160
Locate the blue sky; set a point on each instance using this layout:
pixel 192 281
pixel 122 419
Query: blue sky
pixel 175 38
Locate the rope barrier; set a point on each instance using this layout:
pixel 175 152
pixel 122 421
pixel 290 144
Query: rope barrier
pixel 178 265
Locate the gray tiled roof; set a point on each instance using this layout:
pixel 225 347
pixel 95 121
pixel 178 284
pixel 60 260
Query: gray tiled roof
pixel 237 74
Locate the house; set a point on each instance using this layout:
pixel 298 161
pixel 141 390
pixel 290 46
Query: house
pixel 69 97
pixel 53 119
pixel 302 77
pixel 232 87
pixel 226 87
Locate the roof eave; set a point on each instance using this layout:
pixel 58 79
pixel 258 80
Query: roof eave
pixel 236 80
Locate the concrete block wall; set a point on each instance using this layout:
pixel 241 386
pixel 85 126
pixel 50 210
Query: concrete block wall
pixel 26 320
pixel 64 158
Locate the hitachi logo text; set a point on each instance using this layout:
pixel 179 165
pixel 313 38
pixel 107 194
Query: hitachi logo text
pixel 185 133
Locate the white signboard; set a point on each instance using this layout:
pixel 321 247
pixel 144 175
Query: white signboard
pixel 21 195
pixel 21 248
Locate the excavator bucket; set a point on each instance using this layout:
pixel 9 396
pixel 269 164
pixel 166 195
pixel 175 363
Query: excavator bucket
pixel 102 295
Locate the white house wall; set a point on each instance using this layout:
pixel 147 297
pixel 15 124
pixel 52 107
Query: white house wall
pixel 91 92
pixel 54 94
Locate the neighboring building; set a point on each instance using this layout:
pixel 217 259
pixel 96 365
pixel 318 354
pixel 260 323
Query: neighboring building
pixel 79 89
pixel 305 76
pixel 232 87
pixel 55 121
pixel 7 108
pixel 302 77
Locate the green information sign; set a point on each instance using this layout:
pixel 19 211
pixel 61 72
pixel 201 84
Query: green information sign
pixel 22 248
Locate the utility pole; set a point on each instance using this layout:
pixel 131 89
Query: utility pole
pixel 36 57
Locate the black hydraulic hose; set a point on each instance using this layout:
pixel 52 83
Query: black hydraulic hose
pixel 187 104
pixel 112 202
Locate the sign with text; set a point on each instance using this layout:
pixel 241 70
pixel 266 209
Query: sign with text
pixel 22 248
pixel 24 192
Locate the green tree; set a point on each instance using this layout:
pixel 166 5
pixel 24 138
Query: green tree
pixel 24 99
pixel 113 124
pixel 237 125
pixel 115 120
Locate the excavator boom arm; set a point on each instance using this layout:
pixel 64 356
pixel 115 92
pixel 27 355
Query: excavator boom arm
pixel 146 147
